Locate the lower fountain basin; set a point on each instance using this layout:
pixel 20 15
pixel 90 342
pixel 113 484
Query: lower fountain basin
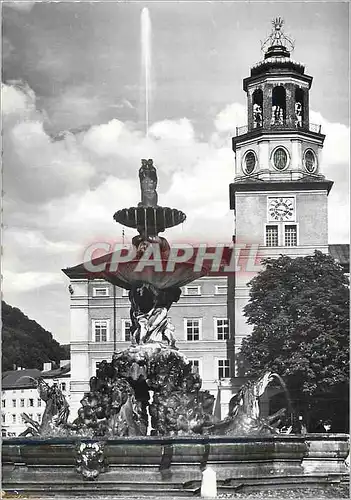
pixel 169 466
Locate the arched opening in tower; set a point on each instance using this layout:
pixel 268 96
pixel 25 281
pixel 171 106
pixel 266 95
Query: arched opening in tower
pixel 257 108
pixel 278 105
pixel 299 109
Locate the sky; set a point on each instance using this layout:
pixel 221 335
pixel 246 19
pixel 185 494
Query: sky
pixel 74 124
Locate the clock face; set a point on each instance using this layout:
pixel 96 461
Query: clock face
pixel 280 209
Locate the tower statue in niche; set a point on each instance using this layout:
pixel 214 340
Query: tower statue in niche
pixel 257 112
pixel 298 114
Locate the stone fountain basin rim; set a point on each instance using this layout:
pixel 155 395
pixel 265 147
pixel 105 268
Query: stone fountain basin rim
pixel 150 440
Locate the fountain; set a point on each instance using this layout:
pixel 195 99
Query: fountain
pixel 112 445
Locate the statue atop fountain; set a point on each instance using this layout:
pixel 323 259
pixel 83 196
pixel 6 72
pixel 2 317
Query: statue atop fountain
pixel 148 184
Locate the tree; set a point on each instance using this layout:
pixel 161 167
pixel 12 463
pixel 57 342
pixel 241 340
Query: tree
pixel 25 343
pixel 299 309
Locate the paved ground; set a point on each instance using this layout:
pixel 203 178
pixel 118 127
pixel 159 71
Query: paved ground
pixel 330 493
pixel 291 495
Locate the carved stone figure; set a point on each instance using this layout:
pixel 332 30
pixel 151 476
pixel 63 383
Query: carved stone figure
pixel 142 242
pixel 277 115
pixel 244 413
pixel 257 114
pixel 55 414
pixel 298 114
pixel 56 410
pixel 148 313
pixel 148 184
pixel 34 427
pixel 90 460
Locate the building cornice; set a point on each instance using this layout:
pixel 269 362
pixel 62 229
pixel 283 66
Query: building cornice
pixel 261 73
pixel 306 184
pixel 266 134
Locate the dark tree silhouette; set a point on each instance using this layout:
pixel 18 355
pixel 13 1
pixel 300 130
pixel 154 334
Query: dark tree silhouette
pixel 25 343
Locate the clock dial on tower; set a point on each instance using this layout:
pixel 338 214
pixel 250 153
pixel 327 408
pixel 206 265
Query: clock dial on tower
pixel 281 209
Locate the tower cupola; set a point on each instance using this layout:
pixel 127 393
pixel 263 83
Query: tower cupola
pixel 278 142
pixel 278 88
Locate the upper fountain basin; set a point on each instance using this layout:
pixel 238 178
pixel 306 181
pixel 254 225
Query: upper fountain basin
pixel 150 220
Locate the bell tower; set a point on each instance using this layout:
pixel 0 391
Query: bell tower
pixel 278 195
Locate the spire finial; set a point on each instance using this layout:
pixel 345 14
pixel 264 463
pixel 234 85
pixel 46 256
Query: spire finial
pixel 277 37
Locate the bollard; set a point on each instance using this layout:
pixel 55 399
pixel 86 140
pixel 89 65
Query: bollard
pixel 209 483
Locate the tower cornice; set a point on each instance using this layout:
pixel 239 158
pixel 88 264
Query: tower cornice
pixel 276 72
pixel 258 134
pixel 307 183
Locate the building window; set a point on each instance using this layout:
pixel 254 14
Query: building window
pixel 22 391
pixel 126 330
pixel 3 416
pixel 222 328
pixel 22 403
pixel 100 330
pixel 192 327
pixel 192 290
pixel 195 366
pixel 272 239
pixel 249 162
pixel 125 293
pixel 290 235
pixel 310 161
pixel 22 420
pixel 221 290
pixel 3 403
pixel 13 419
pixel 280 158
pixel 31 402
pixel 14 403
pixel 39 402
pixel 223 368
pixel 38 417
pixel 102 291
pixel 63 386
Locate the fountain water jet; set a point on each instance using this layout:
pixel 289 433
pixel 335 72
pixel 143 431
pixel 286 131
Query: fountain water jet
pixel 146 61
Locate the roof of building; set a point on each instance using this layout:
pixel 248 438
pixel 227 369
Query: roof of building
pixel 20 379
pixel 341 253
pixel 57 372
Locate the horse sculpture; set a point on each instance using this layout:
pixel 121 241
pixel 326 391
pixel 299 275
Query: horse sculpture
pixel 55 414
pixel 244 412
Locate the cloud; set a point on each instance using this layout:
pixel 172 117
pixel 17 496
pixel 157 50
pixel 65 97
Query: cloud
pixel 60 194
pixel 17 98
pixel 335 165
pixel 20 5
pixel 336 148
pixel 173 130
pixel 27 281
